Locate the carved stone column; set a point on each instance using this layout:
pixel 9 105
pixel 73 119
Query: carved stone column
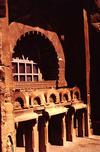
pixel 8 130
pixel 43 134
pixel 70 125
pixel 80 123
pixel 87 53
pixel 35 137
pixel 64 129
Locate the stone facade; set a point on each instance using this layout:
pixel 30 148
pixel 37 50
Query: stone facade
pixel 37 114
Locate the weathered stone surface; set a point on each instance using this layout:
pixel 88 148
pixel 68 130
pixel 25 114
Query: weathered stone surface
pixel 32 110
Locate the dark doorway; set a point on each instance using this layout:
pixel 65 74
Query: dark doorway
pixel 24 135
pixel 55 130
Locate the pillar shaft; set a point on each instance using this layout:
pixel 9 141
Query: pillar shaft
pixel 87 53
pixel 43 135
pixel 80 123
pixel 35 139
pixel 64 129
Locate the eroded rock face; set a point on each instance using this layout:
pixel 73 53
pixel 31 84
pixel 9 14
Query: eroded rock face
pixel 7 122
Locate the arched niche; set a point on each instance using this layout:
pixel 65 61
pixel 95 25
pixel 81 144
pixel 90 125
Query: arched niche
pixel 17 30
pixel 76 93
pixel 22 98
pixel 37 98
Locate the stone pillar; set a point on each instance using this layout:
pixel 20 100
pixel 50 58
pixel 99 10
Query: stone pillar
pixel 43 134
pixel 87 54
pixel 5 52
pixel 46 136
pixel 8 130
pixel 35 137
pixel 85 123
pixel 80 123
pixel 64 129
pixel 7 122
pixel 2 116
pixel 70 127
pixel 73 129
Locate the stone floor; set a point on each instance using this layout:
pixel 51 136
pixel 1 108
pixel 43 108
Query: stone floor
pixel 89 144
